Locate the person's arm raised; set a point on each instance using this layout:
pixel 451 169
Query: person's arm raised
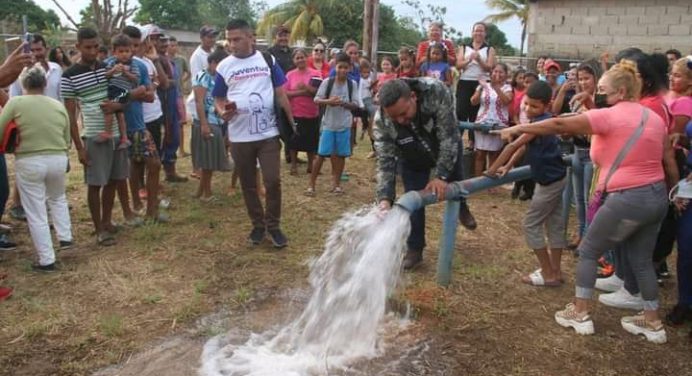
pixel 578 124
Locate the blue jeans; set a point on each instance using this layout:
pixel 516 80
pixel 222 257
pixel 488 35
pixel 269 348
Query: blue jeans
pixel 4 185
pixel 685 257
pixel 582 174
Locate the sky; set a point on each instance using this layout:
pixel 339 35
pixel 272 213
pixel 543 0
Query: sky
pixel 461 17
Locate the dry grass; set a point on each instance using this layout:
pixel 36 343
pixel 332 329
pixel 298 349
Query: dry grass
pixel 107 303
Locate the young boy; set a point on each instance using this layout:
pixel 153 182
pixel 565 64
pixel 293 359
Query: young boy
pixel 368 79
pixel 549 171
pixel 340 98
pixel 121 80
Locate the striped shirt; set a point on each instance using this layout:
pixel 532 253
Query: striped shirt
pixel 89 87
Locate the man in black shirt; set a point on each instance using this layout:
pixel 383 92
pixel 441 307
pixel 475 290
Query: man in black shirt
pixel 281 51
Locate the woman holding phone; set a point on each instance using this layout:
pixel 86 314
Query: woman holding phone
pixel 301 86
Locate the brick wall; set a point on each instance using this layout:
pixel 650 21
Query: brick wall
pixel 582 29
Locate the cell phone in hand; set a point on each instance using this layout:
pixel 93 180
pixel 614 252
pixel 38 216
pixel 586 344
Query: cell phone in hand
pixel 27 36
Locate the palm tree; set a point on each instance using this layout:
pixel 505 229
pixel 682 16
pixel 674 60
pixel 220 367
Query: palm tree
pixel 301 16
pixel 509 9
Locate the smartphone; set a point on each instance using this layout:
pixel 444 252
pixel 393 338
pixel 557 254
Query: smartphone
pixel 27 36
pixel 231 106
pixel 315 82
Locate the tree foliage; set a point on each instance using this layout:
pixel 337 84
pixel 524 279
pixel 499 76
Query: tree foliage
pixel 432 13
pixel 509 9
pixel 497 39
pixel 341 20
pixel 39 19
pixel 171 14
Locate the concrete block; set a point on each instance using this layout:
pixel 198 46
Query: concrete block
pixel 608 20
pixel 562 30
pixel 679 30
pixel 636 30
pixel 657 30
pixel 656 10
pixel 677 10
pixel 615 11
pixel 562 11
pixel 597 11
pixel 617 30
pixel 579 11
pixel 669 19
pixel 572 20
pixel 600 30
pixel 581 30
pixel 590 20
pixel 628 20
pixel 635 11
pixel 686 19
pixel 648 20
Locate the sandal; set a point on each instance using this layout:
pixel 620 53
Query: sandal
pixel 337 191
pixel 310 192
pixel 209 199
pixel 536 279
pixel 105 239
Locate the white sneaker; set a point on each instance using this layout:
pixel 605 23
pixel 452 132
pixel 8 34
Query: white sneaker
pixel 610 284
pixel 654 332
pixel 569 318
pixel 622 299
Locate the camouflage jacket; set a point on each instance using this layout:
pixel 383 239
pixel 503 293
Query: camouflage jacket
pixel 435 103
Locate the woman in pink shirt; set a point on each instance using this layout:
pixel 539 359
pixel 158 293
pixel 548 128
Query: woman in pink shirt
pixel 301 86
pixel 637 195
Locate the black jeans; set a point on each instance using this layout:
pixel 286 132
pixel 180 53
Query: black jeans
pixel 415 180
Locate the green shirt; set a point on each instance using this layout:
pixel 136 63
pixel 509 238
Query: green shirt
pixel 181 66
pixel 42 122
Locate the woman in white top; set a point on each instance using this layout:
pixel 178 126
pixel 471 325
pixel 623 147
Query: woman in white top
pixel 475 61
pixel 493 98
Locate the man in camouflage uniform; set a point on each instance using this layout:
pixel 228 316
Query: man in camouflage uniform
pixel 418 129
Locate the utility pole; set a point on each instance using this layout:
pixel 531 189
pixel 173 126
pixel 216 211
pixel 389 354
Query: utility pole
pixel 371 26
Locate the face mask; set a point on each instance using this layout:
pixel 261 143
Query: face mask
pixel 601 100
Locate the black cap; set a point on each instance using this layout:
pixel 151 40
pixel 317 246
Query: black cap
pixel 208 31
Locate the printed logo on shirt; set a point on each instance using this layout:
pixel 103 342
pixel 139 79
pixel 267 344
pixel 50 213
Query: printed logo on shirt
pixel 248 72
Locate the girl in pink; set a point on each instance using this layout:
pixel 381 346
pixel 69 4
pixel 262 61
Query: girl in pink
pixel 387 74
pixel 494 98
pixel 679 97
pixel 301 86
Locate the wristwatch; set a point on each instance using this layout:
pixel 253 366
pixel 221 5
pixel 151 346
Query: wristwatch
pixel 442 177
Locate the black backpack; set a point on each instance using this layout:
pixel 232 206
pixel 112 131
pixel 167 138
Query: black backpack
pixel 285 129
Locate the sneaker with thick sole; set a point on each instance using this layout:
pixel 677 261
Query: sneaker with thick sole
pixel 278 238
pixel 6 244
pixel 622 299
pixel 570 318
pixel 610 284
pixel 654 332
pixel 256 235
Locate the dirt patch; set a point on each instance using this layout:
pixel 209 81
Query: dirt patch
pixel 107 304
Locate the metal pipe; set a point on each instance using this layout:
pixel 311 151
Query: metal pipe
pixel 481 127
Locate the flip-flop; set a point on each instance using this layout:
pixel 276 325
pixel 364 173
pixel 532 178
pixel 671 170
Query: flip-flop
pixel 536 279
pixel 337 191
pixel 539 270
pixel 310 192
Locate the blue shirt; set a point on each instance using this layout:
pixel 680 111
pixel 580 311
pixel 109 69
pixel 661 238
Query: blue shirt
pixel 435 70
pixel 544 157
pixel 205 80
pixel 353 74
pixel 134 115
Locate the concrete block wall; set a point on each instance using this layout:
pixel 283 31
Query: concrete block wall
pixel 581 29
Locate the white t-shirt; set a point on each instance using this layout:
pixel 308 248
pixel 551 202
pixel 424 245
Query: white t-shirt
pixel 53 78
pixel 366 85
pixel 198 61
pixel 152 111
pixel 248 83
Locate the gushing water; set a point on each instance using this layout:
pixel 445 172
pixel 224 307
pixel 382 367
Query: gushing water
pixel 351 281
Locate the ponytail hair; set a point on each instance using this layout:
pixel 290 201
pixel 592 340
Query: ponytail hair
pixel 625 75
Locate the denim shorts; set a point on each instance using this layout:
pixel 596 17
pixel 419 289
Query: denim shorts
pixel 335 143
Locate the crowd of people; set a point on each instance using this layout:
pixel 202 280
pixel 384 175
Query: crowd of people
pixel 625 127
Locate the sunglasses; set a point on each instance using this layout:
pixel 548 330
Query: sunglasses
pixel 317 50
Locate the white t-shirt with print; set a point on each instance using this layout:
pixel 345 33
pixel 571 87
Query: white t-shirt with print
pixel 249 84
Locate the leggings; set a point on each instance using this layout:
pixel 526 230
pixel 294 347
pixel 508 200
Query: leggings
pixel 630 219
pixel 4 185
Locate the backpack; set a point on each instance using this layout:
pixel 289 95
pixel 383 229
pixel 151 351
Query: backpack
pixel 285 130
pixel 358 112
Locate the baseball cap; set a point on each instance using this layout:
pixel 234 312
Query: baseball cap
pixel 282 29
pixel 551 64
pixel 208 31
pixel 149 30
